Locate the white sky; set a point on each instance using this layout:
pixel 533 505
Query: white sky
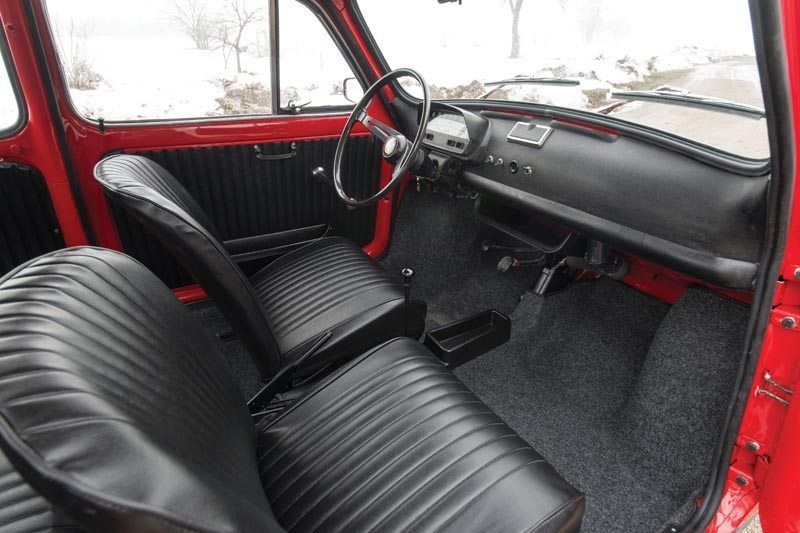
pixel 8 104
pixel 547 27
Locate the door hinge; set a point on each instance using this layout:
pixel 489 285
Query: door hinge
pixel 774 390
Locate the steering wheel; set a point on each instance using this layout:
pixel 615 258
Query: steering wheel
pixel 396 148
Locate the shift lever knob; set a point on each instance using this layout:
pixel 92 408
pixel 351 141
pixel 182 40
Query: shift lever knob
pixel 407 275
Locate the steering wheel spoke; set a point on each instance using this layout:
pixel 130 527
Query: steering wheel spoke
pixel 379 129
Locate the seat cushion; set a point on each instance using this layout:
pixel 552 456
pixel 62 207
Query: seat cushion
pixel 394 442
pixel 149 193
pixel 23 510
pixel 331 284
pixel 117 406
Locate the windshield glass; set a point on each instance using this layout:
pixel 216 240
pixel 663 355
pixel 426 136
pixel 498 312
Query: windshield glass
pixel 524 50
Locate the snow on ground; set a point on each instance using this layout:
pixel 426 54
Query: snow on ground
pixel 151 70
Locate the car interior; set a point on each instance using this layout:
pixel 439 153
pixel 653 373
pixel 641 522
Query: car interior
pixel 412 313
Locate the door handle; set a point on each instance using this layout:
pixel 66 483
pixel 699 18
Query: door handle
pixel 277 157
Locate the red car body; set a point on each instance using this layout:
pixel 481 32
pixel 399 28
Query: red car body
pixel 763 473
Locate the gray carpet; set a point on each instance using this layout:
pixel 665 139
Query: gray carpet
pixel 621 393
pixel 439 237
pixel 243 369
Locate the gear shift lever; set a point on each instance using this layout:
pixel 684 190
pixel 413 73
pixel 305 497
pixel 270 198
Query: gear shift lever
pixel 407 275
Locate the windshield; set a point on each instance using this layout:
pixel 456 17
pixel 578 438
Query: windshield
pixel 535 51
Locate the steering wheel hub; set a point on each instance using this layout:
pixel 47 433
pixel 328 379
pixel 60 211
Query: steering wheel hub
pixel 394 147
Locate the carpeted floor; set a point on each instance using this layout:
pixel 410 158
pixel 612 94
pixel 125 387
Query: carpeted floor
pixel 243 368
pixel 621 393
pixel 439 238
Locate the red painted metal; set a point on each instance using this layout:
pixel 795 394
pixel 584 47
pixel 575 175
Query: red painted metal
pixel 36 144
pixel 668 285
pixel 190 293
pixel 771 471
pixel 779 425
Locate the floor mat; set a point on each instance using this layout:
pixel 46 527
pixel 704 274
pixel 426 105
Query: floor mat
pixel 621 393
pixel 438 236
pixel 241 365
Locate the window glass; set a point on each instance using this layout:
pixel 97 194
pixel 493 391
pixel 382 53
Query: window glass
pixel 312 68
pixel 682 48
pixel 157 59
pixel 9 107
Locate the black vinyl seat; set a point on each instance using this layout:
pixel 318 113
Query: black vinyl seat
pixel 119 413
pixel 328 285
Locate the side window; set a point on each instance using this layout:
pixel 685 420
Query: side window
pixel 189 59
pixel 9 106
pixel 156 60
pixel 312 68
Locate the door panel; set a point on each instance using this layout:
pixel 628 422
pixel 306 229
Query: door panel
pixel 28 223
pixel 263 208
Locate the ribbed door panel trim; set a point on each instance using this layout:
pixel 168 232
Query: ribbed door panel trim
pixel 28 223
pixel 245 197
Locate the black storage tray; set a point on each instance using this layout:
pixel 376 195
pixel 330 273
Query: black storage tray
pixel 466 339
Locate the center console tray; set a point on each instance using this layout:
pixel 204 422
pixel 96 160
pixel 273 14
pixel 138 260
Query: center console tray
pixel 464 340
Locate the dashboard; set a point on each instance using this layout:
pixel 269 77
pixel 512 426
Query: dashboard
pixel 639 197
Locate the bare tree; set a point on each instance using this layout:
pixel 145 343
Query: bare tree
pixel 75 58
pixel 516 8
pixel 231 28
pixel 589 19
pixel 195 20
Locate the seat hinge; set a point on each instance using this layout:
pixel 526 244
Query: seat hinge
pixel 774 390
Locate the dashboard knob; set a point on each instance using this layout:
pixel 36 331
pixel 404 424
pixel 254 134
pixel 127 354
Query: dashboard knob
pixel 489 159
pixel 527 170
pixel 513 167
pixel 498 162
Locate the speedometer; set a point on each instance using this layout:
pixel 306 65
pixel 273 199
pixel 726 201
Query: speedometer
pixel 447 131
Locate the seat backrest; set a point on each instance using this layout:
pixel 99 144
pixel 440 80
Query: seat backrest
pixel 117 406
pixel 149 193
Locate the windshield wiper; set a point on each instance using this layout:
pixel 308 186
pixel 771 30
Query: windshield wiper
pixel 526 80
pixel 671 95
pixel 533 80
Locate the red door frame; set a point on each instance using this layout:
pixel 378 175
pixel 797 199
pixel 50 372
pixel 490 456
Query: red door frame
pixel 776 427
pixel 36 144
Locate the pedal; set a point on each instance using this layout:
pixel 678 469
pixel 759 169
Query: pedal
pixel 547 276
pixel 508 262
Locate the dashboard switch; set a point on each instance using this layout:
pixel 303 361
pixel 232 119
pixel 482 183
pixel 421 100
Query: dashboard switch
pixel 498 162
pixel 527 170
pixel 513 167
pixel 489 159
